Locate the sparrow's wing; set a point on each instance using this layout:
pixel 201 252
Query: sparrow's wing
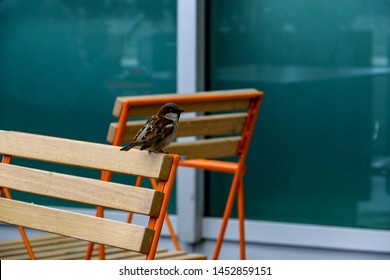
pixel 140 137
pixel 155 130
pixel 143 131
pixel 159 129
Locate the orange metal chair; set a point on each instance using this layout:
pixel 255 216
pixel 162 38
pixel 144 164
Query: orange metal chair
pixel 237 111
pixel 151 203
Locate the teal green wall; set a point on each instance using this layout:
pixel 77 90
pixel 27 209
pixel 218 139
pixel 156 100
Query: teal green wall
pixel 325 119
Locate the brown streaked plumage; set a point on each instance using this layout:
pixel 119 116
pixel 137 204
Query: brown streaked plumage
pixel 159 130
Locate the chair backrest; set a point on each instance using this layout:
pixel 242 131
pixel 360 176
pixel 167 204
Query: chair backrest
pixel 223 125
pixel 85 190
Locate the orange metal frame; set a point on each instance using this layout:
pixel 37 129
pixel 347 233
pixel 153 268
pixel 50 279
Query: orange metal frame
pixel 238 169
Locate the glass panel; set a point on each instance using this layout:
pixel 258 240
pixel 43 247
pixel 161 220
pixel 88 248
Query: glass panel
pixel 63 63
pixel 321 149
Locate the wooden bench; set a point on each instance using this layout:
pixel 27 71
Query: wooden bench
pixel 79 231
pixel 222 127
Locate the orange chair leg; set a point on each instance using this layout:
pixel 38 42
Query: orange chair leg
pixel 172 232
pixel 26 243
pixel 157 223
pixel 168 223
pixel 88 253
pixel 241 219
pixel 226 214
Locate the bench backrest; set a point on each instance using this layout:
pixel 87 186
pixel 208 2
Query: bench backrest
pixel 223 125
pixel 85 190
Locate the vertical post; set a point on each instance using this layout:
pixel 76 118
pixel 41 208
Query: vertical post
pixel 241 219
pixel 190 78
pixel 156 223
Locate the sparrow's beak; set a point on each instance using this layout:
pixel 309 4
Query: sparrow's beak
pixel 181 110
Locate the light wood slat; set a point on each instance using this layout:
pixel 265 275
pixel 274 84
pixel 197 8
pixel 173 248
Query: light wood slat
pixel 229 100
pixel 86 154
pixel 71 252
pixel 85 190
pixel 68 250
pixel 197 126
pixel 33 240
pixel 189 256
pixel 43 241
pixel 21 251
pixel 113 233
pixel 74 251
pixel 54 247
pixel 208 148
pixel 211 106
pixel 111 254
pixel 121 255
pixel 47 250
pixel 212 125
pixel 170 254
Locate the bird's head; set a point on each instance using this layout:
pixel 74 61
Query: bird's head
pixel 171 111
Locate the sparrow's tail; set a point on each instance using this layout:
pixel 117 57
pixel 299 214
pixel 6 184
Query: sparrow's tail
pixel 131 145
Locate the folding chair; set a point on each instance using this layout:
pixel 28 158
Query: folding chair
pixel 148 202
pixel 227 133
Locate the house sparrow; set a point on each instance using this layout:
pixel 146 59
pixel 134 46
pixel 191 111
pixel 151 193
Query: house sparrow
pixel 159 131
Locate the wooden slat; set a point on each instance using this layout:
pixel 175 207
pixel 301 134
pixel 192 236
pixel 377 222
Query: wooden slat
pixel 14 242
pixel 74 252
pixel 37 242
pixel 49 250
pixel 99 230
pixel 197 126
pixel 208 148
pixel 212 125
pixel 17 243
pixel 85 190
pixel 86 154
pixel 55 247
pixel 210 101
pixel 210 106
pixel 186 256
pixel 67 244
